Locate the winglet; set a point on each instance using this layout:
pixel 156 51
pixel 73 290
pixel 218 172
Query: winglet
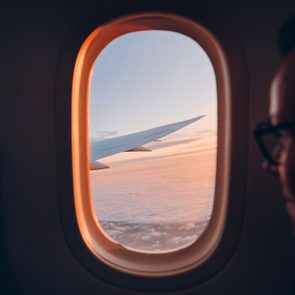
pixel 97 165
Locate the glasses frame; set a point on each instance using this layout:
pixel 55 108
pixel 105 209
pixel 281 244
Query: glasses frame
pixel 266 127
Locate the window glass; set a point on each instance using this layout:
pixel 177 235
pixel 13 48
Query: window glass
pixel 159 195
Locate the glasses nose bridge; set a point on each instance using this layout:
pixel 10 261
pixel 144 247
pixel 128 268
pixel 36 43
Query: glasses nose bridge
pixel 273 153
pixel 273 145
pixel 267 138
pixel 276 151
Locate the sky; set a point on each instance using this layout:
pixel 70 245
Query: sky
pixel 143 80
pixel 148 79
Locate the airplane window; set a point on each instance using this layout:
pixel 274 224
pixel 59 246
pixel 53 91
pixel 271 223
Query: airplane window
pixel 153 140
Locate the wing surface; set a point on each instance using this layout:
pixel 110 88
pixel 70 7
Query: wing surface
pixel 131 142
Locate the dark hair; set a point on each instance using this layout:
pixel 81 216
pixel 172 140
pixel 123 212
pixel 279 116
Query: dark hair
pixel 286 36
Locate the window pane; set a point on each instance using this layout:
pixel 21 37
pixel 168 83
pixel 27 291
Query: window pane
pixel 159 196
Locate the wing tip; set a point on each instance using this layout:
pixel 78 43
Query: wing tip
pixel 189 121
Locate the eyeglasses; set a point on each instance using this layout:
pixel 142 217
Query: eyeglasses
pixel 267 137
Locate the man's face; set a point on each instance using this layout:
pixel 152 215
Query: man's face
pixel 282 110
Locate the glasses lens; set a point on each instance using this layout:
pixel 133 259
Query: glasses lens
pixel 271 143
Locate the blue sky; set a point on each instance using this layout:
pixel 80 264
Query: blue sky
pixel 147 79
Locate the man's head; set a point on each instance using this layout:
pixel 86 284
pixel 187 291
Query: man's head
pixel 279 152
pixel 282 110
pixel 282 117
pixel 286 37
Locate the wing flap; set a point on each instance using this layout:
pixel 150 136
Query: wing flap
pixel 97 165
pixel 139 149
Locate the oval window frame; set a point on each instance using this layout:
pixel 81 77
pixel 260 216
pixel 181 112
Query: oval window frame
pixel 232 107
pixel 112 254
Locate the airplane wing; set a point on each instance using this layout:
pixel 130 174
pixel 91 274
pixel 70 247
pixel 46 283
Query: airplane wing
pixel 131 142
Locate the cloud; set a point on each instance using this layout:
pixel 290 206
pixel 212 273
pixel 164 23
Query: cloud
pixel 159 145
pixel 207 132
pixel 101 135
pixel 176 154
